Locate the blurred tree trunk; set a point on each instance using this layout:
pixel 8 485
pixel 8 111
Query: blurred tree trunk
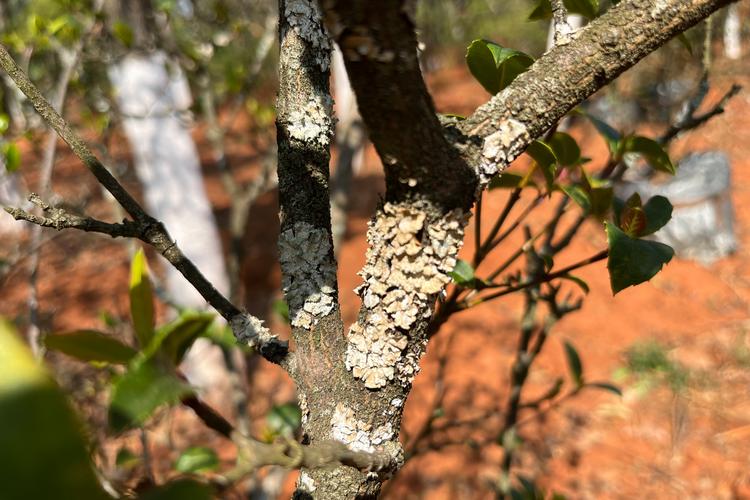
pixel 732 32
pixel 154 98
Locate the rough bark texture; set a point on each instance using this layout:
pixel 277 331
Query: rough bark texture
pixel 352 388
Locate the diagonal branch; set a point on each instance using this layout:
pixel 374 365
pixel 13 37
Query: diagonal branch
pixel 245 327
pixel 569 73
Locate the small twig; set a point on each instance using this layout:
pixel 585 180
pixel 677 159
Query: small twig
pixel 245 327
pixel 561 28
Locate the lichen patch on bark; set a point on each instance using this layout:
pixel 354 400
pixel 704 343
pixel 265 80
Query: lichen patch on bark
pixel 304 18
pixel 358 435
pixel 309 276
pixel 408 262
pixel 500 148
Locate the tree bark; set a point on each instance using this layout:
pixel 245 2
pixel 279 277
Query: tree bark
pixel 433 173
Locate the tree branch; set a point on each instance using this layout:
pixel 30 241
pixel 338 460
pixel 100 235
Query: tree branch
pixel 568 74
pixel 151 231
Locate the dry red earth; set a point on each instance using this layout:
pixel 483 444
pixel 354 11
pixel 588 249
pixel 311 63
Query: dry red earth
pixel 657 441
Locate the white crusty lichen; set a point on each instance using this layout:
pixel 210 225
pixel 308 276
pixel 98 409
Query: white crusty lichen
pixel 500 148
pixel 305 482
pixel 309 274
pixel 250 330
pixel 304 18
pixel 408 262
pixel 313 122
pixel 356 434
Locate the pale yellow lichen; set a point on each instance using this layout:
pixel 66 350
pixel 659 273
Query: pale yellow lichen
pixel 500 148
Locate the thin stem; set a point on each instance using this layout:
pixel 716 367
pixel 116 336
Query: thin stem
pixel 544 279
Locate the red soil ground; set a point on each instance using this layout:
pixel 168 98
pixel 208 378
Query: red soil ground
pixel 692 441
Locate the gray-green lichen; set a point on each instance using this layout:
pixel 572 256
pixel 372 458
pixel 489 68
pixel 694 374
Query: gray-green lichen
pixel 356 434
pixel 309 275
pixel 304 18
pixel 408 262
pixel 500 148
pixel 313 122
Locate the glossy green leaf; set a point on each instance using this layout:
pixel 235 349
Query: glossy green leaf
pixel 11 157
pixel 141 299
pixel 179 489
pixel 606 386
pixel 506 181
pixel 142 389
pixel 574 364
pixel 43 453
pixel 90 345
pixel 463 273
pixel 651 151
pixel 197 459
pixel 545 158
pixel 601 200
pixel 565 148
pixel 577 194
pixel 494 66
pixel 610 135
pixel 284 420
pixel 176 337
pixel 658 212
pixel 587 8
pixel 632 261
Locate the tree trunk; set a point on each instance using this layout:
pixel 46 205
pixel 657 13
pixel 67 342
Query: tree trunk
pixel 732 32
pixel 153 96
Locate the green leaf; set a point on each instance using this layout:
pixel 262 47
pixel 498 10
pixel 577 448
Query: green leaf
pixel 12 157
pixel 197 459
pixel 506 181
pixel 43 453
pixel 494 66
pixel 4 123
pixel 140 391
pixel 685 43
pixel 546 160
pixel 176 337
pixel 633 221
pixel 658 212
pixel 601 200
pixel 126 459
pixel 587 8
pixel 284 420
pixel 651 151
pixel 611 136
pixel 463 273
pixel 577 194
pixel 281 308
pixel 124 33
pixel 179 489
pixel 90 345
pixel 141 299
pixel 565 148
pixel 574 364
pixel 542 12
pixel 578 281
pixel 632 261
pixel 605 386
